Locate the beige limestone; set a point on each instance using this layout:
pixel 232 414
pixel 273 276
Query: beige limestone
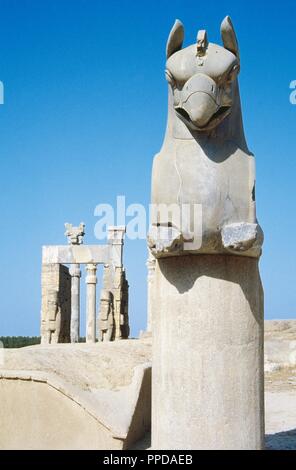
pixel 207 354
pixel 91 283
pixel 106 316
pixel 75 254
pixel 40 417
pixel 75 396
pixel 204 162
pixel 150 290
pixel 44 386
pixel 55 303
pixel 207 295
pixel 114 282
pixel 75 272
pixel 75 234
pixel 75 237
pixel 116 241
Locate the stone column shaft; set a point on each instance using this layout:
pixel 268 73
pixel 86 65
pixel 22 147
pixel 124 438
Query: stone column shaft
pixel 91 281
pixel 150 287
pixel 208 354
pixel 75 302
pixel 116 241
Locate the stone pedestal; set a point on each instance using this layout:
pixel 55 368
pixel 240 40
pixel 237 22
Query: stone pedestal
pixel 75 302
pixel 91 281
pixel 208 354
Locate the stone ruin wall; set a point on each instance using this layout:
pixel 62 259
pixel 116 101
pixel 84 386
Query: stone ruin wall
pixel 57 277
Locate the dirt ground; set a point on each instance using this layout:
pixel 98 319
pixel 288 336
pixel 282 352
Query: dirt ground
pixel 280 409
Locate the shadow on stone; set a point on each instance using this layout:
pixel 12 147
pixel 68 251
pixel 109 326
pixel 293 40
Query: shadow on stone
pixel 183 272
pixel 281 441
pixel 142 444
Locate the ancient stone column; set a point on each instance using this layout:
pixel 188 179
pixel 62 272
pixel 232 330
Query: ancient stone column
pixel 207 386
pixel 75 237
pixel 75 302
pixel 91 281
pixel 116 241
pixel 150 291
pixel 208 354
pixel 115 280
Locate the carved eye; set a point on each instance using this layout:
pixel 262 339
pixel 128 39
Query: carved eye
pixel 170 79
pixel 233 73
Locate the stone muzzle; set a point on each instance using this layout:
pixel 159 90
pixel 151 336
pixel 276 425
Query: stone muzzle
pixel 199 101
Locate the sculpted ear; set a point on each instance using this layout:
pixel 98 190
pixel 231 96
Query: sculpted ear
pixel 176 39
pixel 229 37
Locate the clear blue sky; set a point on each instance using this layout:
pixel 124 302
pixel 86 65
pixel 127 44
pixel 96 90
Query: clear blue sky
pixel 85 111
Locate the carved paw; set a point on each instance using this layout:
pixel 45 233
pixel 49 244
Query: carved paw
pixel 242 237
pixel 163 240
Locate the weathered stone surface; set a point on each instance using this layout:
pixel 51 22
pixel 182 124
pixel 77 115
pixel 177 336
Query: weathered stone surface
pixel 76 254
pixel 55 303
pixel 75 302
pixel 165 241
pixel 116 241
pixel 66 392
pixel 150 290
pixel 207 296
pixel 75 396
pixel 114 281
pixel 106 316
pixel 243 237
pixel 91 303
pixel 207 354
pixel 75 237
pixel 75 234
pixel 204 160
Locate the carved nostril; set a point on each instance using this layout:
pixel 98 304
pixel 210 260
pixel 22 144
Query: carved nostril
pixel 183 113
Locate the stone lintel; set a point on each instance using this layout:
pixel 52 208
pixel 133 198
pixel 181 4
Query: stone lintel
pixel 75 254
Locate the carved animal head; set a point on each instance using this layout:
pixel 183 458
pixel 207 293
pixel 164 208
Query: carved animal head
pixel 75 234
pixel 202 77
